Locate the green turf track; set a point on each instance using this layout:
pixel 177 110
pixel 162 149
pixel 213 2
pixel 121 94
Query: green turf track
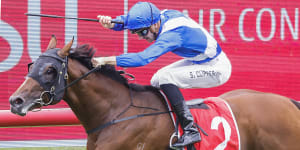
pixel 47 148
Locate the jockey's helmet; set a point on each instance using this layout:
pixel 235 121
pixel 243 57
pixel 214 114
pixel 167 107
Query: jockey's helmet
pixel 142 15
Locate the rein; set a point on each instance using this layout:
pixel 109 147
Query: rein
pixel 52 93
pixel 78 79
pixel 115 121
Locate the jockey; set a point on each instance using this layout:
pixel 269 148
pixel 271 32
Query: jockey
pixel 203 63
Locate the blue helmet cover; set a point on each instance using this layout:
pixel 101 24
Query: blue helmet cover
pixel 142 15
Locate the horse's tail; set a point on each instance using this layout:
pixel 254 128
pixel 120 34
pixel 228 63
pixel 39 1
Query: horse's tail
pixel 296 103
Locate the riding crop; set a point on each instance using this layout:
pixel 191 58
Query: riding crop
pixel 54 16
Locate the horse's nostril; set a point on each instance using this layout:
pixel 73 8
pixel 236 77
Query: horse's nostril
pixel 18 101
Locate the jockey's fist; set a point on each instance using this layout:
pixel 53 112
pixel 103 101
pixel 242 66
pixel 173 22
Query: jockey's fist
pixel 106 21
pixel 99 61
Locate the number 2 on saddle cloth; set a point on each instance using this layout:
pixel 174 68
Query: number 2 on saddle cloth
pixel 219 123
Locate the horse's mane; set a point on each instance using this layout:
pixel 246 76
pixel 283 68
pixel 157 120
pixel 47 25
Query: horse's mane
pixel 84 54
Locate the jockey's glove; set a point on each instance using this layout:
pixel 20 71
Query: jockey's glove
pixel 106 21
pixel 99 61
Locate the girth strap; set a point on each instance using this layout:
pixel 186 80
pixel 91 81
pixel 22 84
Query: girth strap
pixel 123 119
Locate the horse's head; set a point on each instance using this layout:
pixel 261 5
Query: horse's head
pixel 45 81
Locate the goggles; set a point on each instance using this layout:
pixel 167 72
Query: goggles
pixel 141 32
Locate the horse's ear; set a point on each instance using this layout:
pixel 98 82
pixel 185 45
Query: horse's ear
pixel 52 43
pixel 65 51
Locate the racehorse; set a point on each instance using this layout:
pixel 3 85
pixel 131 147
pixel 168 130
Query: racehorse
pixel 109 108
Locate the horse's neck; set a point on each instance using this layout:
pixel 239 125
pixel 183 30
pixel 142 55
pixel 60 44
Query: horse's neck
pixel 95 99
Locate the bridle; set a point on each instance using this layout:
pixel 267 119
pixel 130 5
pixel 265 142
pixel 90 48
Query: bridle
pixel 56 91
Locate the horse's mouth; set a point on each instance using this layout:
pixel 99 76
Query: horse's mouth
pixel 24 109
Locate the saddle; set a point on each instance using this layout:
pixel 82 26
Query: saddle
pixel 197 104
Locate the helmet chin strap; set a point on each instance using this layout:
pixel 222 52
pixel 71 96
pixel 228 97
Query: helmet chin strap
pixel 155 35
pixel 155 26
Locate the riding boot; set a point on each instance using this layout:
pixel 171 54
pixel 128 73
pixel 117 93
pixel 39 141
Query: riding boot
pixel 186 120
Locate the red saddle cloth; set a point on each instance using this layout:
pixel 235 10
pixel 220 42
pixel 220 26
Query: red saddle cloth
pixel 220 125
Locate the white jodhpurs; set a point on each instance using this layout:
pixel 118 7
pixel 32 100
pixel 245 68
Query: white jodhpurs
pixel 186 74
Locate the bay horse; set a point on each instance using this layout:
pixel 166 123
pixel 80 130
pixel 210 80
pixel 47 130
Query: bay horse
pixel 109 108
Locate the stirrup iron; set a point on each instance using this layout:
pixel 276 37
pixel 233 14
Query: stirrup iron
pixel 175 134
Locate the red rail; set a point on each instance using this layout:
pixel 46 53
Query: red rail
pixel 45 117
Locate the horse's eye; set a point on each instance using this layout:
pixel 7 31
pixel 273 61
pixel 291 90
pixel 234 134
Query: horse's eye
pixel 49 75
pixel 50 70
